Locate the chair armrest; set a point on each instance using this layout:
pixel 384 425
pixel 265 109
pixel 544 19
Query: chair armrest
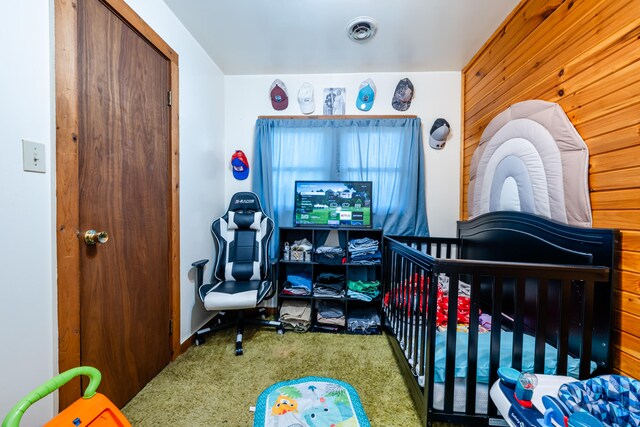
pixel 272 275
pixel 199 265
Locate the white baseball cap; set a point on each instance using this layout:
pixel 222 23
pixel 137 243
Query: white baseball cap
pixel 305 98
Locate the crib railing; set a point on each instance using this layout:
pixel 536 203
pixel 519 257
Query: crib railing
pixel 518 296
pixel 408 268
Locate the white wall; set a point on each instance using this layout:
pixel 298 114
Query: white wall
pixel 27 248
pixel 437 94
pixel 27 237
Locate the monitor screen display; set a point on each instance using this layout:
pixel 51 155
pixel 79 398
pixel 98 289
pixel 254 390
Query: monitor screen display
pixel 333 204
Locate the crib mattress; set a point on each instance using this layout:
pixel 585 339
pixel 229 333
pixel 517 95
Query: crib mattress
pixel 460 396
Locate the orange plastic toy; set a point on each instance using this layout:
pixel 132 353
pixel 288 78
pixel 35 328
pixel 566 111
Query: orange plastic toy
pixel 93 409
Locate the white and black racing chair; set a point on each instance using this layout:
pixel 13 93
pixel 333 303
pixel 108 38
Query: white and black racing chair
pixel 242 272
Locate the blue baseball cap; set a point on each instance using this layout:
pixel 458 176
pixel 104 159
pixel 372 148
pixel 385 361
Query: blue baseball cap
pixel 239 165
pixel 366 95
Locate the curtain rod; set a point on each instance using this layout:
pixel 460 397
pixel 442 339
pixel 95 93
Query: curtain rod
pixel 340 117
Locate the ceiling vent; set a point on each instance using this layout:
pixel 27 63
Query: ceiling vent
pixel 362 28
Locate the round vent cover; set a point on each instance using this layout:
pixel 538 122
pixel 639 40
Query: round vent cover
pixel 362 28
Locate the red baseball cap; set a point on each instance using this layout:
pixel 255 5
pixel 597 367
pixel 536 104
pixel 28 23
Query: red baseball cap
pixel 278 94
pixel 239 165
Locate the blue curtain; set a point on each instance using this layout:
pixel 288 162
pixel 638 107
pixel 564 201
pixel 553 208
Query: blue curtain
pixel 387 152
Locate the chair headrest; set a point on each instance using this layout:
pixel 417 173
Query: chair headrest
pixel 245 201
pixel 244 221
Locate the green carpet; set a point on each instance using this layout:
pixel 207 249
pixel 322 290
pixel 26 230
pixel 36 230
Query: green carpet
pixel 210 386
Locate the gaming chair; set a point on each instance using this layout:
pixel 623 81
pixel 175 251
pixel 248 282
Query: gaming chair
pixel 242 272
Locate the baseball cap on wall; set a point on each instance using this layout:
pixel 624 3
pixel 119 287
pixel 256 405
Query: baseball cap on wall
pixel 366 95
pixel 306 99
pixel 239 165
pixel 402 96
pixel 438 134
pixel 278 95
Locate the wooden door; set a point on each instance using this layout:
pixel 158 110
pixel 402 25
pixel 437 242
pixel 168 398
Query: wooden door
pixel 125 187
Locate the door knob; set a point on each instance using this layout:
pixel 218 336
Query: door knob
pixel 91 237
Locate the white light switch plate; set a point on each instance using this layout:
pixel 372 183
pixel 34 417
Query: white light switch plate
pixel 33 156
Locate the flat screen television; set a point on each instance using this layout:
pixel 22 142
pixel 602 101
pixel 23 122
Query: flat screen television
pixel 335 204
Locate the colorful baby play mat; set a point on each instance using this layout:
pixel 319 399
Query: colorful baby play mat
pixel 310 402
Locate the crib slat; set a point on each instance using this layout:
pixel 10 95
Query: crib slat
pixel 395 295
pixel 541 326
pixel 423 322
pixel 452 323
pixel 431 340
pixel 563 332
pixel 518 324
pixel 472 356
pixel 405 301
pixel 389 286
pixel 587 335
pixel 411 289
pixel 413 336
pixel 496 330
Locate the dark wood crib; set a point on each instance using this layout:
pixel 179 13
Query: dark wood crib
pixel 544 290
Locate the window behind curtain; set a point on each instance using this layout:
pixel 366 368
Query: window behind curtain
pixel 387 152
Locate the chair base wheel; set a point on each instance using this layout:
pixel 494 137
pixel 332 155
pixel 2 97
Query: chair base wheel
pixel 280 331
pixel 238 352
pixel 199 340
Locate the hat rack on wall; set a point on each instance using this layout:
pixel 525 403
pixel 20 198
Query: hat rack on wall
pixel 401 100
pixel 344 117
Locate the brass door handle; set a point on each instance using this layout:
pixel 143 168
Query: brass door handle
pixel 91 237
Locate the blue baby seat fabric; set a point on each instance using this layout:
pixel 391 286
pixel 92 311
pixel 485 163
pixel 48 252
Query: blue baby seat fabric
pixel 612 399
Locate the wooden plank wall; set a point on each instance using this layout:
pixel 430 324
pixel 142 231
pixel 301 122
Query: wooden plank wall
pixel 584 55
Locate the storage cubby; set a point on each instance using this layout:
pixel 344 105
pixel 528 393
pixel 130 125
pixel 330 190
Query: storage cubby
pixel 354 266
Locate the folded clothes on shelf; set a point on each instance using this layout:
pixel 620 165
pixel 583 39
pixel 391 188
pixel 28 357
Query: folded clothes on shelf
pixel 364 251
pixel 298 284
pixel 329 285
pixel 365 320
pixel 363 290
pixel 296 315
pixel 367 258
pixel 330 255
pixel 330 313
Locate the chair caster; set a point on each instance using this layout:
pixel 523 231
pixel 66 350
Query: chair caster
pixel 238 352
pixel 199 340
pixel 280 331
